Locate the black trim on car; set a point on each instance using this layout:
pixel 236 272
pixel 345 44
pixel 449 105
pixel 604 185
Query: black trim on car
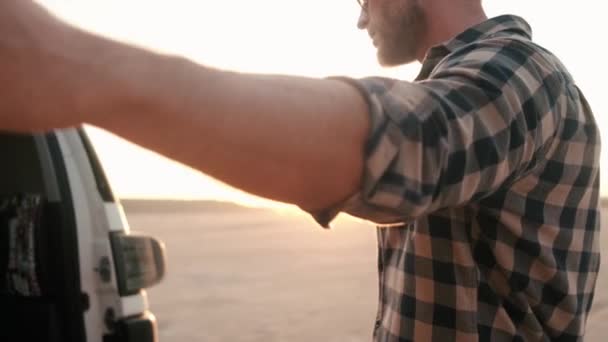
pixel 100 177
pixel 67 251
pixel 141 329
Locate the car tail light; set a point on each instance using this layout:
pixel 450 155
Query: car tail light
pixel 139 260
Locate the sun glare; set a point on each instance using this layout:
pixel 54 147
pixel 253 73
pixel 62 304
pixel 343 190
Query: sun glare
pixel 312 38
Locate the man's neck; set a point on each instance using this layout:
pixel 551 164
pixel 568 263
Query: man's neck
pixel 447 24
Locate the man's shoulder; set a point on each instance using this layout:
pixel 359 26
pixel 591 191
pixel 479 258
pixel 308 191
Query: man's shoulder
pixel 507 55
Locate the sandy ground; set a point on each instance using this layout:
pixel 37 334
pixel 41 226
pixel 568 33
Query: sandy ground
pixel 237 274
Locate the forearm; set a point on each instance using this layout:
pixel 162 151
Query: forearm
pixel 295 140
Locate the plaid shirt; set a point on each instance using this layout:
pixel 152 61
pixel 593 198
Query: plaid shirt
pixel 483 176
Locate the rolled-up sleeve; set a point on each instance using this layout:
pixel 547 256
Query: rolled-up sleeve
pixel 478 122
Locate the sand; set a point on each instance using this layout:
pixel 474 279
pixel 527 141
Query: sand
pixel 240 274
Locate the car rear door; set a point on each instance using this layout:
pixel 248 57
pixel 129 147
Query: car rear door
pixel 71 269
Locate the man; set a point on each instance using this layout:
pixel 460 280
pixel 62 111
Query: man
pixel 482 174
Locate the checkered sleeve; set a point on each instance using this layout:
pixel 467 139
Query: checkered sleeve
pixel 480 120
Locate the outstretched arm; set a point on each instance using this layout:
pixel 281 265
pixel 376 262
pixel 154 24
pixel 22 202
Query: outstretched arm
pixel 291 139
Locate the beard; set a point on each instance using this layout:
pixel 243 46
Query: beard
pixel 400 39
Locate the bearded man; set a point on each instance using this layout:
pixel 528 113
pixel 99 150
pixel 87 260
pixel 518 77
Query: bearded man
pixel 482 174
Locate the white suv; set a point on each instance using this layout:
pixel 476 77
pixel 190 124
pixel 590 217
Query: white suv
pixel 70 270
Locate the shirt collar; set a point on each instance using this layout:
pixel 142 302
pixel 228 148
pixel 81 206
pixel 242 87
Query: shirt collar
pixel 505 25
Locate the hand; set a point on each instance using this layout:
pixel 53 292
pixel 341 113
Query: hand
pixel 43 69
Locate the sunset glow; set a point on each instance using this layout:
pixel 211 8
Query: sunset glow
pixel 311 38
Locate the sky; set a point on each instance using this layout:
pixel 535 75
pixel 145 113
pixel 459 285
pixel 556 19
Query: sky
pixel 315 38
